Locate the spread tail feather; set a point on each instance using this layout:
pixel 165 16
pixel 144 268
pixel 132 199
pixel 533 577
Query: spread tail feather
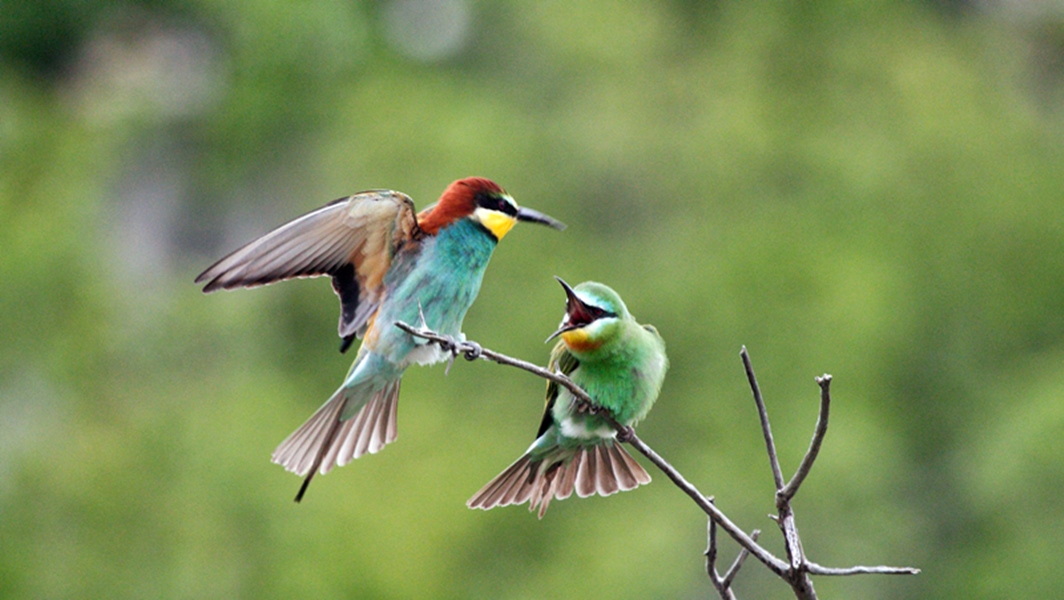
pixel 602 469
pixel 326 440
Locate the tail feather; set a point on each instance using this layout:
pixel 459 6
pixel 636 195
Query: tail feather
pixel 585 476
pixel 522 489
pixel 602 469
pixel 387 426
pixel 298 451
pixel 351 432
pixel 505 489
pixel 567 484
pixel 543 493
pixel 606 482
pixel 365 432
pixel 630 474
pixel 325 441
pixel 343 440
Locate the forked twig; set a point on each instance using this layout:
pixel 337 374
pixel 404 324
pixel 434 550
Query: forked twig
pixel 723 583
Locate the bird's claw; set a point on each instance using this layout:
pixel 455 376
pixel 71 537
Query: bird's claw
pixel 586 408
pixel 472 351
pixel 625 434
pixel 454 346
pixel 451 346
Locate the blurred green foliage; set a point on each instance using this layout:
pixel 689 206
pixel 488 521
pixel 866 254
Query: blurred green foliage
pixel 869 189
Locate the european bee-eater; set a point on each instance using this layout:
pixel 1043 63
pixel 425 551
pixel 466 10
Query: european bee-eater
pixel 621 365
pixel 387 264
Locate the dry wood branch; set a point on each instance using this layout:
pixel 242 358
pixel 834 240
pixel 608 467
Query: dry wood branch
pixel 766 428
pixel 796 570
pixel 816 569
pixel 788 491
pixel 723 583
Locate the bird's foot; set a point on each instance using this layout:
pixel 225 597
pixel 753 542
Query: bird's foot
pixel 450 346
pixel 586 408
pixel 625 434
pixel 455 346
pixel 472 350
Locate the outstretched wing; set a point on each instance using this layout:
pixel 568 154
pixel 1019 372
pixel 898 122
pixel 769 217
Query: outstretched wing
pixel 565 363
pixel 352 239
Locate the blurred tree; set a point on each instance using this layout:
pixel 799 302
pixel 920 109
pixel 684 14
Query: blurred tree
pixel 866 189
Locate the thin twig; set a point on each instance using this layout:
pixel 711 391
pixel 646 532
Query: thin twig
pixel 816 569
pixel 711 547
pixel 776 565
pixel 796 574
pixel 473 351
pixel 789 490
pixel 723 589
pixel 723 584
pixel 770 446
pixel 739 560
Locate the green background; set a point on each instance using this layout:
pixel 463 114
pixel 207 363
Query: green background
pixel 869 189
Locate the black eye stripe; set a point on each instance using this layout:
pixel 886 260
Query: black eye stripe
pixel 603 314
pixel 493 202
pixel 594 313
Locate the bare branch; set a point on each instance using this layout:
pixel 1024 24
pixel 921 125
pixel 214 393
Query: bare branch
pixel 766 429
pixel 774 564
pixel 795 575
pixel 739 560
pixel 473 351
pixel 711 548
pixel 796 571
pixel 723 584
pixel 816 569
pixel 723 590
pixel 789 490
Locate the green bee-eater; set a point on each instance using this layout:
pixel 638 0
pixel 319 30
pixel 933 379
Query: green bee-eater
pixel 387 263
pixel 621 365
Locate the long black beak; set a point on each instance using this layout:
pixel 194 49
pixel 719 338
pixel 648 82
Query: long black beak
pixel 577 314
pixel 534 216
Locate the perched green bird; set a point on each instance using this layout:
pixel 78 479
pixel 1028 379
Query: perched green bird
pixel 387 264
pixel 621 365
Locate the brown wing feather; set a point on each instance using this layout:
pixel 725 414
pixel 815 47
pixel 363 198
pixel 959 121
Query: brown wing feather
pixel 353 240
pixel 563 361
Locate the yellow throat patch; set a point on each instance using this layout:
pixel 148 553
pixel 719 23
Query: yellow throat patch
pixel 577 339
pixel 499 224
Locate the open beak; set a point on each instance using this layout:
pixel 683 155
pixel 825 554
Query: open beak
pixel 577 313
pixel 534 216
